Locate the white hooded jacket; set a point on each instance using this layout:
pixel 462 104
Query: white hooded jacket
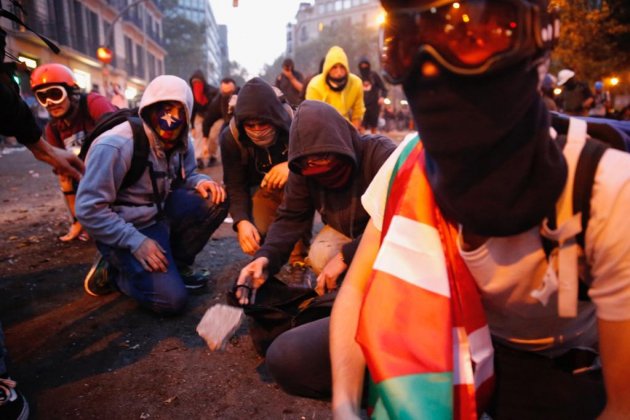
pixel 114 216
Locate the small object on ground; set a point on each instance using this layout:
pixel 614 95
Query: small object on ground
pixel 218 324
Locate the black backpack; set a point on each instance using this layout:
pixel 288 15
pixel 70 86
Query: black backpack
pixel 141 146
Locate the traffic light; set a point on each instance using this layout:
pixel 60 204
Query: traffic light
pixel 104 55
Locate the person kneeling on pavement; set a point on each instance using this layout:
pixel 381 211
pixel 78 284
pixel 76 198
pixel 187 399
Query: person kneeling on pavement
pixel 331 166
pixel 150 232
pixel 255 169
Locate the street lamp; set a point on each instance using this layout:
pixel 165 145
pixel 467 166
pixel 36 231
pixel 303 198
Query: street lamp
pixel 104 55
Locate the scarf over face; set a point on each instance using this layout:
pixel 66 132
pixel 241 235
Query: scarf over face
pixel 490 161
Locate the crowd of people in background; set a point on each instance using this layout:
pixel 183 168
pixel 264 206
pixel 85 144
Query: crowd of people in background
pixel 456 257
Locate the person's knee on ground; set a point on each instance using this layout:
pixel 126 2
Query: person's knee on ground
pixel 299 361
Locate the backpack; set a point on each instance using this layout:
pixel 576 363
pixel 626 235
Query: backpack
pixel 141 146
pixel 234 129
pixel 584 177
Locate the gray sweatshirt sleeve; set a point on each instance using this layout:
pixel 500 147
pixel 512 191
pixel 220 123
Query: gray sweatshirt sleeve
pixel 106 167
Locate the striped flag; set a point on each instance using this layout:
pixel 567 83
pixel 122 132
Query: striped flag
pixel 422 327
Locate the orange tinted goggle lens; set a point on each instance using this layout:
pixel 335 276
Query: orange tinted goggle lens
pixel 54 93
pixel 465 34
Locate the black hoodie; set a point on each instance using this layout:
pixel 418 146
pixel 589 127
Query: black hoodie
pixel 319 128
pixel 258 100
pixel 209 90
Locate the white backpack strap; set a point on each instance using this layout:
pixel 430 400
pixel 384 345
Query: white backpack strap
pixel 568 225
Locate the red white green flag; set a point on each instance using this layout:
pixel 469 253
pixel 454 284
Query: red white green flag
pixel 422 327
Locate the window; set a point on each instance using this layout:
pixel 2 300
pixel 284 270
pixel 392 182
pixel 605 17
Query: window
pixel 338 5
pixel 79 35
pixel 140 71
pixel 347 4
pixel 129 62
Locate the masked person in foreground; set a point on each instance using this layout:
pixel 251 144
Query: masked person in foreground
pixel 451 267
pixel 149 232
pixel 331 165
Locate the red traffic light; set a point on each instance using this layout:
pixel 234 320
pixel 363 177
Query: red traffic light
pixel 104 55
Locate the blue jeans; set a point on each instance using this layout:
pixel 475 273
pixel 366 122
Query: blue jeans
pixel 190 221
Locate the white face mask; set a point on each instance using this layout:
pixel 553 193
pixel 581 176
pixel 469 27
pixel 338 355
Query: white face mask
pixel 262 138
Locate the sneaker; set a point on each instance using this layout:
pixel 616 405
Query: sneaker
pixel 194 280
pixel 98 281
pixel 13 405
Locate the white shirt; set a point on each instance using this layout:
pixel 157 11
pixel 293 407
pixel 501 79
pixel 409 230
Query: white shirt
pixel 508 269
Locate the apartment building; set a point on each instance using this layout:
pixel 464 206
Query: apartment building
pixel 215 45
pixel 79 27
pixel 312 18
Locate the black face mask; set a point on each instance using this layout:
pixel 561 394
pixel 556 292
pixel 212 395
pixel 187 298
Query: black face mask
pixel 365 72
pixel 337 83
pixel 490 161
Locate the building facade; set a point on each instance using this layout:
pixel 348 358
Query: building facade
pixel 79 27
pixel 312 18
pixel 215 47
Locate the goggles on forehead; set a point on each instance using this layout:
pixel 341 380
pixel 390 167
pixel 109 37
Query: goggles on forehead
pixel 467 37
pixel 51 95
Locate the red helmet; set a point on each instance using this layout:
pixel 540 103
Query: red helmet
pixel 52 74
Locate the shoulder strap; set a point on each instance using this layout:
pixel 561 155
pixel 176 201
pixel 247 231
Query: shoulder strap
pixel 140 155
pixel 583 184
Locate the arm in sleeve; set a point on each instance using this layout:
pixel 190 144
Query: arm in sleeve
pixel 312 93
pixel 380 85
pixel 293 218
pixel 235 178
pixel 98 189
pixel 358 105
pixel 212 115
pixel 16 118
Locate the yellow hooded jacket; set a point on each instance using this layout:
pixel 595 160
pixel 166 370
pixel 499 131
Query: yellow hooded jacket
pixel 349 102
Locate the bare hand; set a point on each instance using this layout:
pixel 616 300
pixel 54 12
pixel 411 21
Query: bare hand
pixel 151 256
pixel 287 72
pixel 65 162
pixel 253 275
pixel 248 237
pixel 276 177
pixel 211 189
pixel 327 279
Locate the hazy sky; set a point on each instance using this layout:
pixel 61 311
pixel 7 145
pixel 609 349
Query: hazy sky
pixel 256 29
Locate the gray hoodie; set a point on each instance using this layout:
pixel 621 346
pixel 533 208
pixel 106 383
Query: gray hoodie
pixel 114 216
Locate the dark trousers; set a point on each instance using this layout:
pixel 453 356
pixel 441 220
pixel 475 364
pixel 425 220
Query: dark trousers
pixel 530 386
pixel 299 360
pixel 189 222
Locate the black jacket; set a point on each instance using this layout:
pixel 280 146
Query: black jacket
pixel 217 109
pixel 16 118
pixel 209 90
pixel 319 128
pixel 255 100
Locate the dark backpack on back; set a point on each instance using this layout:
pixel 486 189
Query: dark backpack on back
pixel 141 146
pixel 605 134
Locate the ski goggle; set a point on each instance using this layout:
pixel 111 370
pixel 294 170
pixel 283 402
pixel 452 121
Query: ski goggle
pixel 467 37
pixel 51 95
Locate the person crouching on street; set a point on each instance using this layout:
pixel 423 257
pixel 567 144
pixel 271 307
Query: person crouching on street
pixel 255 170
pixel 149 233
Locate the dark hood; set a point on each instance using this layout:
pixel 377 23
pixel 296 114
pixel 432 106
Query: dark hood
pixel 319 128
pixel 257 99
pixel 197 75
